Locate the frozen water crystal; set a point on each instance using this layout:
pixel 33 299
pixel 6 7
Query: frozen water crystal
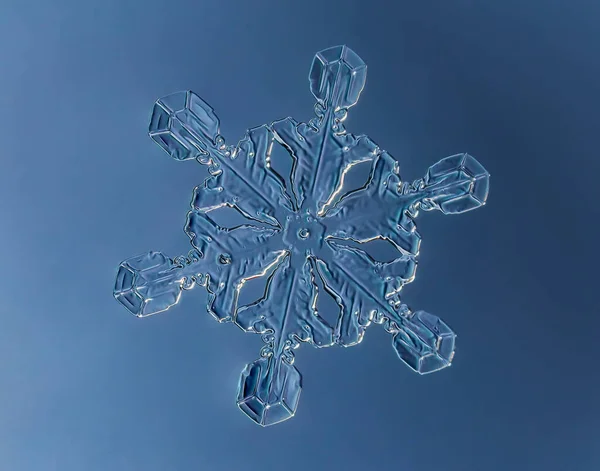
pixel 312 220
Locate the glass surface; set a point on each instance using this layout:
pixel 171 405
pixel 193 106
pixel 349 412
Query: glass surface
pixel 303 232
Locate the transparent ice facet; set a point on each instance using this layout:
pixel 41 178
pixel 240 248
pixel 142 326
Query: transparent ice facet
pixel 302 232
pixel 269 393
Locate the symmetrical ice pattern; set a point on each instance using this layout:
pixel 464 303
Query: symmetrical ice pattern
pixel 305 213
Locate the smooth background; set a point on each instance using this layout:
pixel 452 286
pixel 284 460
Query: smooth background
pixel 85 386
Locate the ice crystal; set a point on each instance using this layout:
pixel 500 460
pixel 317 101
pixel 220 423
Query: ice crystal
pixel 306 212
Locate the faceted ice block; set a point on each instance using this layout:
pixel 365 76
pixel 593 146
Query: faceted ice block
pixel 457 184
pixel 337 77
pixel 184 125
pixel 148 284
pixel 269 391
pixel 425 343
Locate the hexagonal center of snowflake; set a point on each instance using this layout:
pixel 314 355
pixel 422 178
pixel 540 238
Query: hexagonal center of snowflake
pixel 303 232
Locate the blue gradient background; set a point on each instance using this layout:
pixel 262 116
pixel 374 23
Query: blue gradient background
pixel 85 386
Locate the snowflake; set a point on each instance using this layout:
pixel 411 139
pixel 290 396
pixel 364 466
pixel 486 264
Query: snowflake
pixel 306 212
